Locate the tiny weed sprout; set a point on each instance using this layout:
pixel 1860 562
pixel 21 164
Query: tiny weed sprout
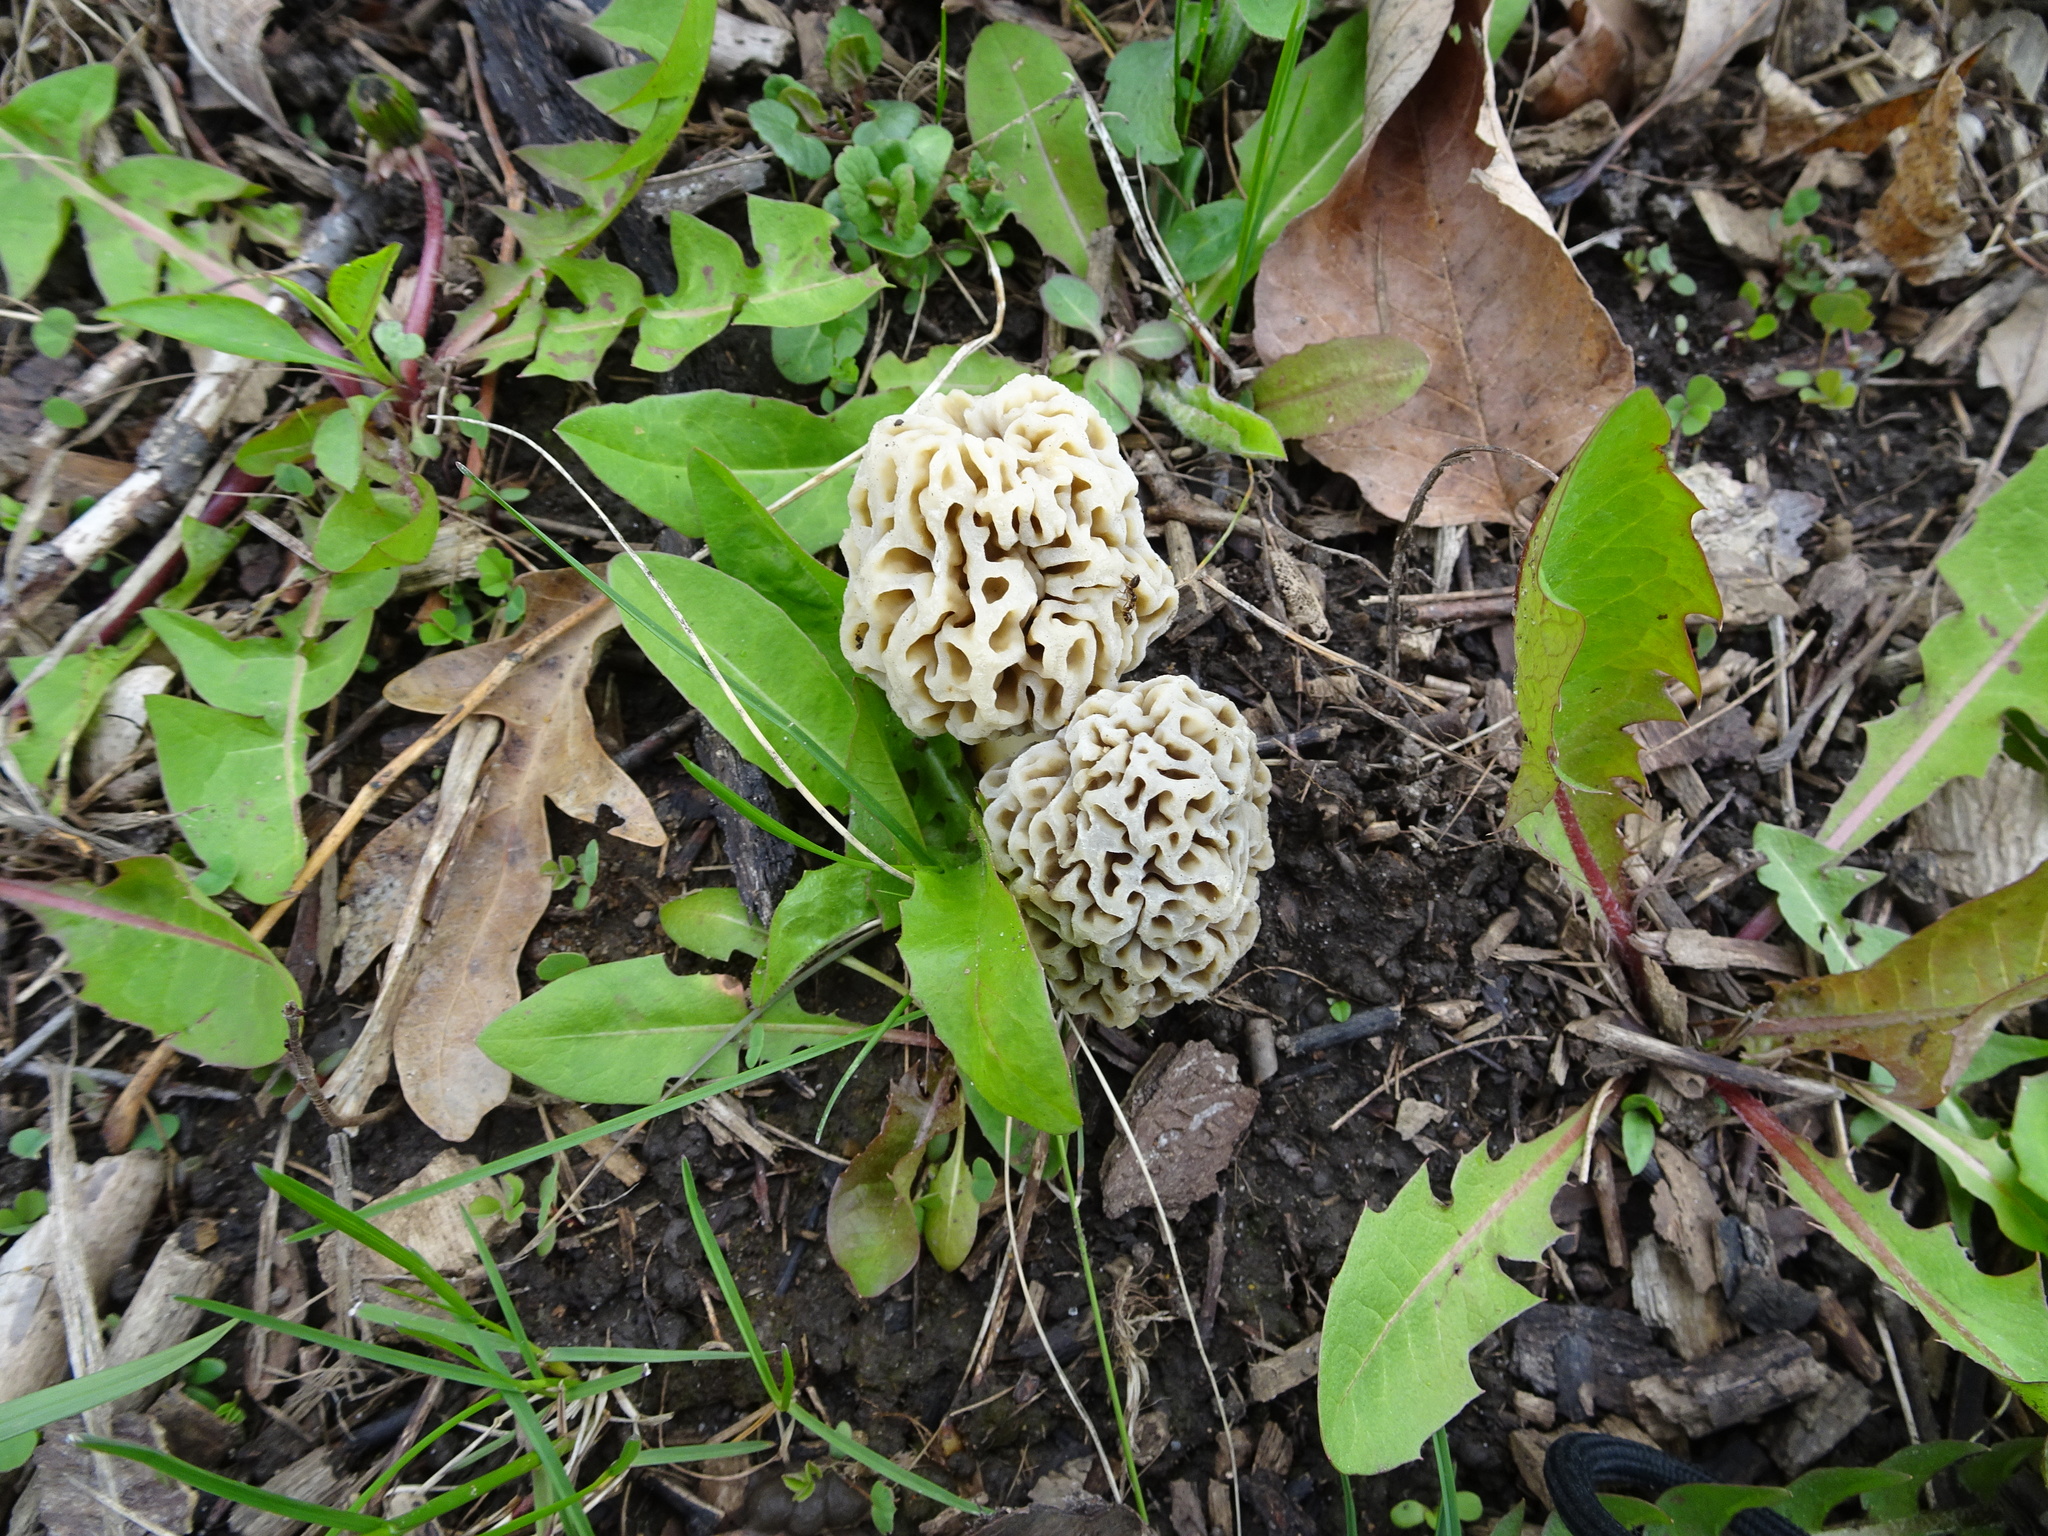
pixel 1692 411
pixel 1652 264
pixel 1340 1008
pixel 1640 1117
pixel 580 872
pixel 1763 324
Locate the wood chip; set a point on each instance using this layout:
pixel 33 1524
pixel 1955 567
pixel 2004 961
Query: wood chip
pixel 1287 1370
pixel 1736 1386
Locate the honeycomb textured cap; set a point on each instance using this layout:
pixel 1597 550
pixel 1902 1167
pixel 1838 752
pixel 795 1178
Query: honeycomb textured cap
pixel 1133 841
pixel 997 569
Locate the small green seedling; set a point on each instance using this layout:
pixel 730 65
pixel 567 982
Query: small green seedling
pixel 1340 1008
pixel 1649 265
pixel 1691 411
pixel 1640 1117
pixel 68 414
pixel 580 872
pixel 1803 204
pixel 562 963
pixel 30 1206
pixel 53 332
pixel 1413 1514
pixel 882 1507
pixel 1840 309
pixel 158 1134
pixel 1881 18
pixel 1831 389
pixel 1113 382
pixel 802 1483
pixel 1764 324
pixel 28 1142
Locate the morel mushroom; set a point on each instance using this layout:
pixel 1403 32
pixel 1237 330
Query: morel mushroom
pixel 1133 840
pixel 997 569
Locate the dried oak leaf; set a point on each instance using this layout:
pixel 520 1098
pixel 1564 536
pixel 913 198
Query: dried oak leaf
pixel 1432 234
pixel 491 890
pixel 1920 225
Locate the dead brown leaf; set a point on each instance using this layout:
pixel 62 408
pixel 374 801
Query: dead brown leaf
pixel 1432 234
pixel 491 890
pixel 1712 33
pixel 1867 130
pixel 1615 43
pixel 1919 225
pixel 225 39
pixel 375 887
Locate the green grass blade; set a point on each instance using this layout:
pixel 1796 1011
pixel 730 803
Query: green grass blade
pixel 729 1288
pixel 875 1461
pixel 385 1478
pixel 764 821
pixel 677 1455
pixel 350 1224
pixel 550 1477
pixel 467 1493
pixel 228 1488
pixel 513 1323
pixel 70 1398
pixel 398 1359
pixel 596 1355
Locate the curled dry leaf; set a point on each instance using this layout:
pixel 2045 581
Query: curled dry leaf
pixel 1920 225
pixel 1433 235
pixel 1924 1008
pixel 1713 32
pixel 491 891
pixel 1616 43
pixel 2014 356
pixel 225 38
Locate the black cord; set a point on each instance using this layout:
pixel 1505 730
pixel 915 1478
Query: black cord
pixel 1579 1466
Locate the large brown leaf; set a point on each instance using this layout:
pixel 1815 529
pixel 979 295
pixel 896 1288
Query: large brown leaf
pixel 1920 225
pixel 1433 235
pixel 491 891
pixel 1922 1010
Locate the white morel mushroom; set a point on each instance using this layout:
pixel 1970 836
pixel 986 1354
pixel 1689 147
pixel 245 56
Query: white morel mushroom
pixel 997 569
pixel 1133 841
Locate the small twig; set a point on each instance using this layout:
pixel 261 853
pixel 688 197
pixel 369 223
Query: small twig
pixel 1394 1080
pixel 118 1129
pixel 1397 573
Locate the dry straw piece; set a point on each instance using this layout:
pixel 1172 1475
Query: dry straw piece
pixel 997 569
pixel 1133 841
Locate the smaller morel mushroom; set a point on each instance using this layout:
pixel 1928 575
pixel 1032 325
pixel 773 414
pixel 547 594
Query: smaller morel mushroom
pixel 1133 841
pixel 997 569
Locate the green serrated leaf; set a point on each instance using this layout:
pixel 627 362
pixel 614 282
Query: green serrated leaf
pixel 1989 658
pixel 1997 1320
pixel 1420 1288
pixel 234 784
pixel 1036 143
pixel 796 282
pixel 261 677
pixel 1922 1009
pixel 356 286
pixel 157 953
pixel 573 342
pixel 1610 573
pixel 1331 386
pixel 1814 891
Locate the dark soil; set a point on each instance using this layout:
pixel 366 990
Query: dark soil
pixel 1351 916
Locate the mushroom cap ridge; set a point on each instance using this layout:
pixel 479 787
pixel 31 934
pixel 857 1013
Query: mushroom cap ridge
pixel 1133 841
pixel 997 569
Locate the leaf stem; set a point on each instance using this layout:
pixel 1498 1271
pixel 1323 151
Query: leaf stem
pixel 1614 902
pixel 433 240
